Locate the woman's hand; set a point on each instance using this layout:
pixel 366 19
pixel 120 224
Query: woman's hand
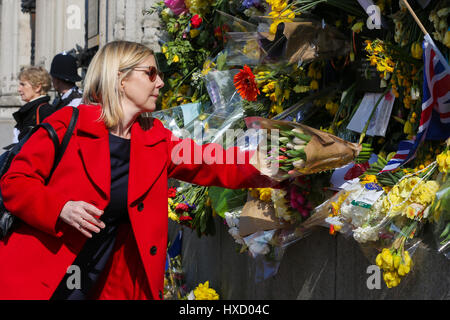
pixel 83 217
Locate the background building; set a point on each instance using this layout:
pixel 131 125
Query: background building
pixel 32 32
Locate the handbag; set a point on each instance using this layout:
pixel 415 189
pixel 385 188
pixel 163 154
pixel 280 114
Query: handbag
pixel 7 219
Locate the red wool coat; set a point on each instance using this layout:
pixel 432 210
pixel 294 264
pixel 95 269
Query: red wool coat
pixel 35 257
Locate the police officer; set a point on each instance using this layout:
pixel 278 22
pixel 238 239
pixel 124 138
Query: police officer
pixel 64 76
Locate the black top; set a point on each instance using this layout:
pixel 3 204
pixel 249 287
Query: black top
pixel 26 115
pixel 95 253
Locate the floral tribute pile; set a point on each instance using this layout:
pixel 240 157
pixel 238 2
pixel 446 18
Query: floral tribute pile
pixel 322 73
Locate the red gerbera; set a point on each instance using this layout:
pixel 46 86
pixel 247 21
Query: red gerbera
pixel 185 218
pixel 182 207
pixel 245 84
pixel 172 192
pixel 196 21
pixel 218 32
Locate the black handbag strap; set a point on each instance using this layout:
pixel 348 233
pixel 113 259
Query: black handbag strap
pixel 67 136
pixel 59 148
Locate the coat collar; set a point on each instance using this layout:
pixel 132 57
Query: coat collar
pixel 29 106
pixel 147 129
pixel 147 159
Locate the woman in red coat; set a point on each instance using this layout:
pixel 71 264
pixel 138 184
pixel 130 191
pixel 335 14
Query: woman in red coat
pixel 98 229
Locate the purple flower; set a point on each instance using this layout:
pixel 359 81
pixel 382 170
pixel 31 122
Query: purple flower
pixel 251 3
pixel 177 6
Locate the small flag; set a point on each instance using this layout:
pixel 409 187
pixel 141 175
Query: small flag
pixel 435 116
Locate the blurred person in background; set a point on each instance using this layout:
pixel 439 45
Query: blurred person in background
pixel 34 83
pixel 64 76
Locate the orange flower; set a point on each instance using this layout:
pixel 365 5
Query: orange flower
pixel 245 84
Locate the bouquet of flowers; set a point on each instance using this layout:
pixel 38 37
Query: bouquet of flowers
pixel 297 149
pixel 174 281
pixel 266 213
pixel 189 206
pixel 395 261
pixel 405 209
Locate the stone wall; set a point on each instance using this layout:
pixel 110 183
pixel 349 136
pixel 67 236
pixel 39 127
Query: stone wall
pixel 318 267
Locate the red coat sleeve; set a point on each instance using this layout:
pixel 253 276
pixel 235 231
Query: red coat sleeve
pixel 212 165
pixel 23 186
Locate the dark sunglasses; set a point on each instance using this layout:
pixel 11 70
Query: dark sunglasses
pixel 152 72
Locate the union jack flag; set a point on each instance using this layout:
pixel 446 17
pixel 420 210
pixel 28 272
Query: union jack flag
pixel 435 118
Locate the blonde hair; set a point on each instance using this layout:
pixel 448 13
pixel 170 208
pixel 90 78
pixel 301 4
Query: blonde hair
pixel 102 81
pixel 36 76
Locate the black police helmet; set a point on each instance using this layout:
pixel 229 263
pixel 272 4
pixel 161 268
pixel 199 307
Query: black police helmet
pixel 64 67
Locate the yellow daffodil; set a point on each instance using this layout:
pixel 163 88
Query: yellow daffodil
pixel 279 14
pixel 416 50
pixel 172 215
pixel 254 193
pixel 276 108
pixel 332 107
pixel 265 194
pixel 277 5
pixel 405 266
pixel 397 261
pixel 204 292
pixel 443 161
pixel 447 39
pixel 273 97
pixel 369 179
pixel 207 66
pixel 194 33
pixel 391 279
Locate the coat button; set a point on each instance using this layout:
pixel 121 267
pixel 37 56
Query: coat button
pixel 140 207
pixel 153 250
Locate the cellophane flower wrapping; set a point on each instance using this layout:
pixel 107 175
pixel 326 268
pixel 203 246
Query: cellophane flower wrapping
pixel 406 208
pixel 440 213
pixel 174 280
pixel 356 211
pixel 221 90
pixel 178 118
pixel 243 48
pixel 290 149
pixel 293 233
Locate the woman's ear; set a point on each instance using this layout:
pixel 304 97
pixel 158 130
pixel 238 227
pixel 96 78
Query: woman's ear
pixel 120 82
pixel 38 89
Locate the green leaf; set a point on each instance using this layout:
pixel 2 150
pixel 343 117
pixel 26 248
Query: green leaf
pixel 221 60
pixel 224 200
